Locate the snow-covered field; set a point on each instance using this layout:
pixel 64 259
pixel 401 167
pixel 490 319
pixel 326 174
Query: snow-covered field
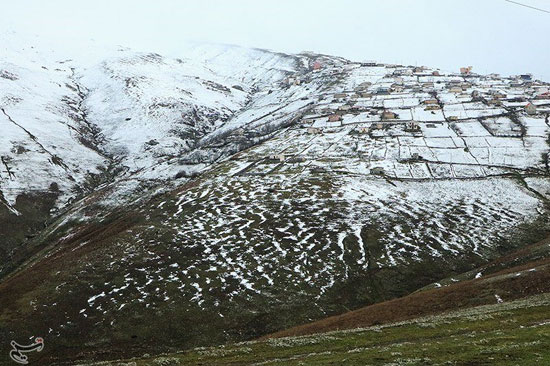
pixel 287 231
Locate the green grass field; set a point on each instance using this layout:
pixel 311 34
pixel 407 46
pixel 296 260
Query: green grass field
pixel 514 333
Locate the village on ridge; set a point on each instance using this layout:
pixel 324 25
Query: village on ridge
pixel 407 122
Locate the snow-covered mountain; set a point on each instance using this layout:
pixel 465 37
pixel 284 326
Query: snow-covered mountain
pixel 47 143
pixel 234 192
pixel 68 117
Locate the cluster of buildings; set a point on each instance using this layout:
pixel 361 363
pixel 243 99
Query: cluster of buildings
pixel 412 95
pixel 412 122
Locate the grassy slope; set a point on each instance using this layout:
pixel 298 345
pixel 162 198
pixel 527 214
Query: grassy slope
pixel 441 326
pixel 513 333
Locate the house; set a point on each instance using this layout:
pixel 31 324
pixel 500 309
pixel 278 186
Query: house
pixel 340 95
pixel 363 86
pixel 344 108
pixel 293 81
pixel 412 127
pixel 363 130
pixel 388 115
pixel 452 118
pixel 279 157
pixel 455 89
pixel 476 96
pixel 526 77
pixel 416 156
pixel 369 64
pixel 432 107
pixel 405 72
pixel 466 70
pixel 317 66
pixel 531 109
pixel 317 170
pixel 314 131
pixel 545 95
pixel 430 101
pixel 296 159
pixel 397 88
pixel 383 91
pixel 377 171
pixel 334 118
pixel 436 73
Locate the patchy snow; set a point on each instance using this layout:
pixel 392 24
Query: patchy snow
pixel 288 200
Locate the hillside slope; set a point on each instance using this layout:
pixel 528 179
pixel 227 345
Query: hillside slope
pixel 525 273
pixel 510 333
pixel 72 123
pixel 232 193
pixel 496 319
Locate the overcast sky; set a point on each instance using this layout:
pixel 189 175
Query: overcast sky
pixel 491 35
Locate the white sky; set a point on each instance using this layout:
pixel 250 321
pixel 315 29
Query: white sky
pixel 491 35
